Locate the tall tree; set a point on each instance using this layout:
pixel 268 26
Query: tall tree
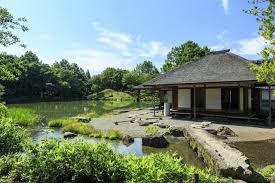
pixel 264 11
pixel 189 51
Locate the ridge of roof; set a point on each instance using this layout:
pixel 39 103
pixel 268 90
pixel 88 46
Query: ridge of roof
pixel 223 52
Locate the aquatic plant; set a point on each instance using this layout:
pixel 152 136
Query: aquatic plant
pixel 267 172
pixel 24 116
pixel 113 134
pixel 96 134
pixel 57 123
pixel 11 137
pixel 56 160
pixel 79 128
pixel 152 130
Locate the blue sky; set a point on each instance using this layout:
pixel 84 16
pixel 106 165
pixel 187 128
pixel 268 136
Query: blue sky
pixel 103 33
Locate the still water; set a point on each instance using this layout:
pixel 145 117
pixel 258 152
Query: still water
pixel 54 110
pixel 175 146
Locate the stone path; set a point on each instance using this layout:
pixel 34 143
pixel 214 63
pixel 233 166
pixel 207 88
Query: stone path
pixel 243 131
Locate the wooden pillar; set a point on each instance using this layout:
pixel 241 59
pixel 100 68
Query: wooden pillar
pixel 154 102
pixel 194 105
pixel 269 106
pixel 138 96
pixel 175 98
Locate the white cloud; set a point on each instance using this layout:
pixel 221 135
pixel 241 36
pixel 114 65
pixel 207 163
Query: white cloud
pixel 251 46
pixel 217 47
pixel 96 60
pixel 225 5
pixel 129 45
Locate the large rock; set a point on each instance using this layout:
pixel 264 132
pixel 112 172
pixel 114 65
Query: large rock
pixel 272 178
pixel 212 131
pixel 155 141
pixel 143 122
pixel 176 131
pixel 223 159
pixel 232 181
pixel 82 119
pixel 69 135
pixel 225 131
pixel 162 125
pixel 127 139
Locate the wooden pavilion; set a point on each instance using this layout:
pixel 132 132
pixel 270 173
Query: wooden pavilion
pixel 219 84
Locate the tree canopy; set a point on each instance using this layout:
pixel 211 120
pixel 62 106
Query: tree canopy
pixel 264 11
pixel 186 52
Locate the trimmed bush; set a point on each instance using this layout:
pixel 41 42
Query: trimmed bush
pixel 152 130
pixel 11 137
pixel 77 161
pixel 113 134
pixel 79 128
pixel 267 172
pixel 23 116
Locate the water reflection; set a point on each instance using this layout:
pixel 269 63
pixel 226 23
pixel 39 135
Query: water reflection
pixel 176 146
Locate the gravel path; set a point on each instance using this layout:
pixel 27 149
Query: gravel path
pixel 244 131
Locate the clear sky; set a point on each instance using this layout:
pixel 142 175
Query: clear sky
pixel 121 33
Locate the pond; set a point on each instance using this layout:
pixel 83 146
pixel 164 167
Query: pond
pixel 260 153
pixel 180 147
pixel 54 110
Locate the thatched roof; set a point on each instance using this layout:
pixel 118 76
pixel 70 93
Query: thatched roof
pixel 220 66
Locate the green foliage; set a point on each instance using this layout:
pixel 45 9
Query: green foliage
pixel 11 137
pixel 79 128
pixel 113 134
pixel 24 116
pixel 152 130
pixel 96 134
pixel 77 161
pixel 267 172
pixel 58 123
pixel 189 51
pixel 3 111
pixel 8 24
pixel 264 11
pixel 147 67
pixel 109 94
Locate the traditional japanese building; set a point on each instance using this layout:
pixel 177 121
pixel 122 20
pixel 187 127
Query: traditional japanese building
pixel 221 84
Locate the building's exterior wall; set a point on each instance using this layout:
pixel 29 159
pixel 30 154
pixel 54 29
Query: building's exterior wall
pixel 169 96
pixel 265 98
pixel 213 99
pixel 184 98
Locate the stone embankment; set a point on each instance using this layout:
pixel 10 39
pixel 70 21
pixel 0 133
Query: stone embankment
pixel 223 159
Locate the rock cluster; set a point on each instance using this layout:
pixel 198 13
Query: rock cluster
pixel 158 141
pixel 69 135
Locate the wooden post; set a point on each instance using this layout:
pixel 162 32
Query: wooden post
pixel 154 103
pixel 194 105
pixel 269 106
pixel 196 178
pixel 138 96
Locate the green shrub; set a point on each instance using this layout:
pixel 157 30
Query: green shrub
pixel 3 111
pixel 76 161
pixel 11 137
pixel 267 172
pixel 113 134
pixel 152 130
pixel 96 134
pixel 79 128
pixel 24 116
pixel 60 122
